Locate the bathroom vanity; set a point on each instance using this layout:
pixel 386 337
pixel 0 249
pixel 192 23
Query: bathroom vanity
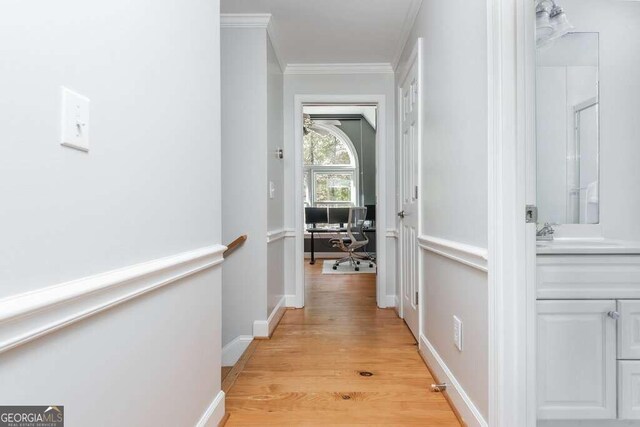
pixel 588 329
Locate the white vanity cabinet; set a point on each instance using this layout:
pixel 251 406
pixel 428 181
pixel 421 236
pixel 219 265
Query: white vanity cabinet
pixel 576 360
pixel 588 337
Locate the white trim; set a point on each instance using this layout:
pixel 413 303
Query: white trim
pixel 472 256
pixel 511 242
pixel 264 328
pixel 234 350
pixel 409 21
pixel 245 20
pixel 392 233
pixel 214 413
pixel 390 301
pixel 381 186
pixel 275 235
pixel 290 301
pixel 272 34
pixel 31 315
pixel 462 402
pixel 346 68
pixel 254 20
pixel 289 232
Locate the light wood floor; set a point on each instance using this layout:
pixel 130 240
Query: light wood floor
pixel 308 373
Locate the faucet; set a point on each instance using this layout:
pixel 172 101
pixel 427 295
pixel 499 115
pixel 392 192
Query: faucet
pixel 546 232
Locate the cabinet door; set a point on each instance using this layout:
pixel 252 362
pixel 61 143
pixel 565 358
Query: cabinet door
pixel 576 360
pixel 629 390
pixel 629 329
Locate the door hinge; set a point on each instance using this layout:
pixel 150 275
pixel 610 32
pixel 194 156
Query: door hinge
pixel 416 303
pixel 416 192
pixel 531 214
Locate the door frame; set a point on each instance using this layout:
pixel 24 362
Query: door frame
pixel 416 56
pixel 511 178
pixel 381 186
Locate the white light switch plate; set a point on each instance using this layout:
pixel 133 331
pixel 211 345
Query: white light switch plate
pixel 75 120
pixel 457 332
pixel 272 190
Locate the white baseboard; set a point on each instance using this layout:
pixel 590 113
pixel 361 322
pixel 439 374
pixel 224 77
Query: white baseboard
pixel 214 413
pixel 459 398
pixel 291 301
pixel 389 301
pixel 264 328
pixel 234 350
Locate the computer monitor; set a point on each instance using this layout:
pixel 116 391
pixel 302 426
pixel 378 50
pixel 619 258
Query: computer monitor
pixel 371 213
pixel 338 215
pixel 315 216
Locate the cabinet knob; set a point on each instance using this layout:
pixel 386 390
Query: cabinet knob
pixel 614 315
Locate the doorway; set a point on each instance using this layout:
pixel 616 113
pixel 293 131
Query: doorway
pixel 339 193
pixel 342 185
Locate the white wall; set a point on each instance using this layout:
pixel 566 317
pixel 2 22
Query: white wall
pixel 252 126
pixel 338 84
pixel 149 188
pixel 454 187
pixel 244 172
pixel 619 39
pixel 275 174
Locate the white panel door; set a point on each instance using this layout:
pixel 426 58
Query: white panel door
pixel 629 329
pixel 576 360
pixel 409 179
pixel 629 390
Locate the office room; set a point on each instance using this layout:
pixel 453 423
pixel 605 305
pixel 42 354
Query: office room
pixel 339 198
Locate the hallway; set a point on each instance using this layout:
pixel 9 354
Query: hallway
pixel 308 373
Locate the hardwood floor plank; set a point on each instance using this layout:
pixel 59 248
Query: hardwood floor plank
pixel 308 373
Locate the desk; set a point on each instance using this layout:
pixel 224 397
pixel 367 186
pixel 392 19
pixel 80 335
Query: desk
pixel 313 231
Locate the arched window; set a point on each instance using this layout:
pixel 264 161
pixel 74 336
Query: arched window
pixel 330 168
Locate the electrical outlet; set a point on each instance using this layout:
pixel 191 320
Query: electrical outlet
pixel 457 332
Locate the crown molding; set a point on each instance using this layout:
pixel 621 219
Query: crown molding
pixel 362 68
pixel 245 20
pixel 254 20
pixel 409 22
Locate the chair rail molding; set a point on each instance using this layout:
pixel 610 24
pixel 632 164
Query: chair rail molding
pixel 30 315
pixel 472 256
pixel 392 233
pixel 275 235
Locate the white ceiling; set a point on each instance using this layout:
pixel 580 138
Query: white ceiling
pixel 334 31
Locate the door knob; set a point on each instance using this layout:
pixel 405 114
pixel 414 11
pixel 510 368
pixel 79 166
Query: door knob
pixel 614 315
pixel 401 214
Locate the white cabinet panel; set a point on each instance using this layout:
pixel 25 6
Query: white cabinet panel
pixel 629 329
pixel 576 360
pixel 588 276
pixel 629 390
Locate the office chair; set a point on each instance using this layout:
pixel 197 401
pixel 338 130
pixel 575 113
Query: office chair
pixel 356 239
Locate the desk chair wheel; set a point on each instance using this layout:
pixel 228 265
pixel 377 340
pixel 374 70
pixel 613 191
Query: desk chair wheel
pixel 358 262
pixel 335 267
pixel 357 268
pixel 370 265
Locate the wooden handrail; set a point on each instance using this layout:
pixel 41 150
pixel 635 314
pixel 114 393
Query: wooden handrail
pixel 234 245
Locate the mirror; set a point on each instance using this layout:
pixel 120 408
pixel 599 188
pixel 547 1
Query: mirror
pixel 567 130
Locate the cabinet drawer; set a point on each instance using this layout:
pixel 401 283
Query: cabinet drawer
pixel 629 329
pixel 629 390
